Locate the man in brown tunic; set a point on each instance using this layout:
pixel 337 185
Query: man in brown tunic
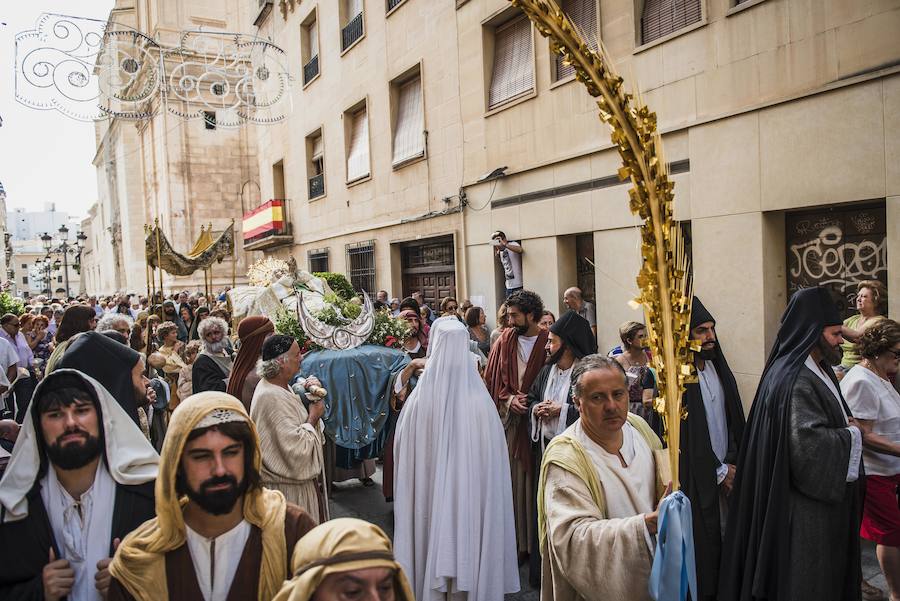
pixel 218 535
pixel 513 365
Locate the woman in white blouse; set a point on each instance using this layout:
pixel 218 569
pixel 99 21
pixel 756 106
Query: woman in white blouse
pixel 875 404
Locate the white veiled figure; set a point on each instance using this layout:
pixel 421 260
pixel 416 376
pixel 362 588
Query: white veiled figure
pixel 454 533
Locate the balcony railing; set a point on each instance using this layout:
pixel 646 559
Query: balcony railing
pixel 392 4
pixel 310 69
pixel 267 226
pixel 317 186
pixel 352 31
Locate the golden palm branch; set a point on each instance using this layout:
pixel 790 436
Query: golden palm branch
pixel 665 276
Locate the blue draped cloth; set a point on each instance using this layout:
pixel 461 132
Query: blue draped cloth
pixel 359 383
pixel 674 570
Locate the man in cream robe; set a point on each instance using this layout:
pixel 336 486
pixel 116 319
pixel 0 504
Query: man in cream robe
pixel 291 438
pixel 218 535
pixel 598 494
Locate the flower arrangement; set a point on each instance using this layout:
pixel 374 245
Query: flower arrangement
pixel 388 331
pixel 266 271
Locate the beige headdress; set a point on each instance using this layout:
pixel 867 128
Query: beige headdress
pixel 139 564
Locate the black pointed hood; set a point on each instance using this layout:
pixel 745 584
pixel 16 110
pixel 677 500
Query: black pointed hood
pixel 699 314
pixel 108 362
pixel 576 332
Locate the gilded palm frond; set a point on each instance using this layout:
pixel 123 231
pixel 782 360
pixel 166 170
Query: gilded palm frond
pixel 665 276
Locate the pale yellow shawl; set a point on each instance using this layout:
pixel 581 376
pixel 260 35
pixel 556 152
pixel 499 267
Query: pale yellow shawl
pixel 337 546
pixel 139 564
pixel 568 454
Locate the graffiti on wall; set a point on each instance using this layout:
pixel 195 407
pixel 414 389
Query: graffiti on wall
pixel 837 249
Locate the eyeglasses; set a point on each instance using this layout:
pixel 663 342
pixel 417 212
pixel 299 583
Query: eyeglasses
pixel 452 308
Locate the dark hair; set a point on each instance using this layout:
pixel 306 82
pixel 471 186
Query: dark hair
pixel 499 234
pixel 527 302
pixel 190 310
pixel 204 310
pixel 550 313
pixel 593 363
pixel 473 316
pixel 878 338
pixel 410 303
pixel 61 397
pixel 239 431
pixel 7 318
pixel 75 320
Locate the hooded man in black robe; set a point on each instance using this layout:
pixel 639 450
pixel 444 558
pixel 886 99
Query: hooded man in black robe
pixel 571 339
pixel 710 439
pixel 793 520
pixel 80 478
pixel 117 367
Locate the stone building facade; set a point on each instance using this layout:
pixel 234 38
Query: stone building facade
pixel 781 126
pixel 370 161
pixel 187 173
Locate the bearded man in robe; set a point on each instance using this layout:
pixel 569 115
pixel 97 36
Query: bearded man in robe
pixel 345 559
pixel 793 520
pixel 80 478
pixel 598 494
pixel 212 367
pixel 513 365
pixel 218 534
pixel 710 437
pixel 291 436
pixel 550 406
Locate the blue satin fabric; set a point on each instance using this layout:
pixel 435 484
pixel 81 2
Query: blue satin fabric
pixel 674 569
pixel 359 383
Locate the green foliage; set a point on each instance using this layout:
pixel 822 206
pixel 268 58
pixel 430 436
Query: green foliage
pixel 11 304
pixel 338 283
pixel 388 331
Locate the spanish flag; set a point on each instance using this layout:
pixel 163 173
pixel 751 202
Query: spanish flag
pixel 265 219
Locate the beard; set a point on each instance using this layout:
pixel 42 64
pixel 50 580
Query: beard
pixel 710 353
pixel 74 455
pixel 831 354
pixel 218 502
pixel 521 330
pixel 216 348
pixel 553 359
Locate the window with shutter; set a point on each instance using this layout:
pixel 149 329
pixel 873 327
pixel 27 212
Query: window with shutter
pixel 354 8
pixel 513 72
pixel 358 156
pixel 313 40
pixel 662 17
pixel 583 13
pixel 409 139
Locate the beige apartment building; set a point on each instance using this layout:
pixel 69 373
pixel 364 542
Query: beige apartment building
pixel 369 165
pixel 781 126
pixel 186 172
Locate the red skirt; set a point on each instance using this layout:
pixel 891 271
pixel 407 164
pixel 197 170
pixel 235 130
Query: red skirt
pixel 881 513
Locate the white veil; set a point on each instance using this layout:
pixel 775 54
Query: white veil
pixel 454 527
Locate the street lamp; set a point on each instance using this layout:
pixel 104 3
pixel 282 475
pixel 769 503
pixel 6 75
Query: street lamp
pixel 63 249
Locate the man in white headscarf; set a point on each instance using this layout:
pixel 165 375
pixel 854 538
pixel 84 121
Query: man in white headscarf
pixel 454 534
pixel 80 478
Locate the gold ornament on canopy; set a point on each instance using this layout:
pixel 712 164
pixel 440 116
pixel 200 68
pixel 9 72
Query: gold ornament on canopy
pixel 665 277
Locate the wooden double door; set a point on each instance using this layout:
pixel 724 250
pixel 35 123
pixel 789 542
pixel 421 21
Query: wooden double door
pixel 429 266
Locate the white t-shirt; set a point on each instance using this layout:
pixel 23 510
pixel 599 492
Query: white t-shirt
pixel 526 346
pixel 8 356
pixel 512 266
pixel 871 398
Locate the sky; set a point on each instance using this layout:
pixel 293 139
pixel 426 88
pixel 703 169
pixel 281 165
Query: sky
pixel 45 157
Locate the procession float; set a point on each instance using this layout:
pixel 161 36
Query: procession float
pixel 351 347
